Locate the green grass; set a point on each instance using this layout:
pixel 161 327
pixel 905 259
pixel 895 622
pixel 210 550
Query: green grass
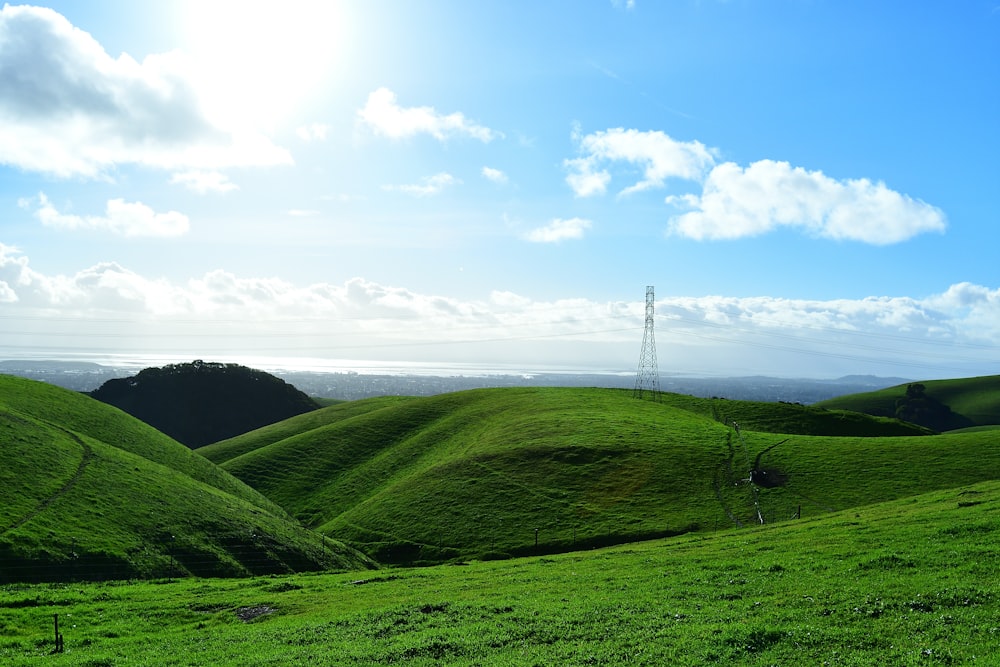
pixel 910 582
pixel 224 450
pixel 794 418
pixel 486 473
pixel 973 401
pixel 89 492
pixel 78 413
pixel 892 562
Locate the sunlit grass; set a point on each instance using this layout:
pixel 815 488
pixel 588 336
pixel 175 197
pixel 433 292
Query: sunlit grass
pixel 493 473
pixel 910 582
pixel 88 492
pixel 972 401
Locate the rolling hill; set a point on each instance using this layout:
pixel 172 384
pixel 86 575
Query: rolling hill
pixel 86 491
pixel 942 405
pixel 495 472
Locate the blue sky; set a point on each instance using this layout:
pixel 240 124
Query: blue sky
pixel 810 185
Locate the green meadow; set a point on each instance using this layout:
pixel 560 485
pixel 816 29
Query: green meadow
pixel 908 582
pixel 498 472
pixel 516 526
pixel 89 492
pixel 953 404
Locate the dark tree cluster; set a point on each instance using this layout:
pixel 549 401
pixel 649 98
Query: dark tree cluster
pixel 199 403
pixel 917 407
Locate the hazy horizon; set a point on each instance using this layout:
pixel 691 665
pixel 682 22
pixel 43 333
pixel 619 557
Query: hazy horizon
pixel 368 367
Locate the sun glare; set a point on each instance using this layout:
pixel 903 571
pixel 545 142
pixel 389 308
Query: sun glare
pixel 260 61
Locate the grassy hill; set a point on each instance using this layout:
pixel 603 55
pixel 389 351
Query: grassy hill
pixel 87 491
pixel 794 418
pixel 340 410
pixel 516 471
pixel 958 403
pixel 909 582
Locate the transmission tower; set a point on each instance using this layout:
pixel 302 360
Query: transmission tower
pixel 648 377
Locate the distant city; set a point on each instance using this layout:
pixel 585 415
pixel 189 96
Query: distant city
pixel 84 376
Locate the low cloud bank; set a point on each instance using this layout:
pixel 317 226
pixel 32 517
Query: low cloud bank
pixel 110 307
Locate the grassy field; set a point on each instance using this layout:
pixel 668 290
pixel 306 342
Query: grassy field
pixel 87 491
pixel 879 547
pixel 973 401
pixel 337 411
pixel 500 472
pixel 908 582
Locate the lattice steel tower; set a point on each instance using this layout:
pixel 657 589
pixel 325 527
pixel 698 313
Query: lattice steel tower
pixel 648 377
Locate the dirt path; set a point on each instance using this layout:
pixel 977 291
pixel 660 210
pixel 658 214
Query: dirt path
pixel 88 454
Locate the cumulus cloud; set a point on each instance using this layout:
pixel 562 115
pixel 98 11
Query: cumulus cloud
pixel 737 202
pixel 126 218
pixel 313 132
pixel 204 182
pixel 958 328
pixel 659 156
pixel 559 230
pixel 428 186
pixel 102 287
pixel 494 175
pixel 385 117
pixel 68 108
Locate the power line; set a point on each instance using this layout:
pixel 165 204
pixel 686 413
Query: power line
pixel 648 377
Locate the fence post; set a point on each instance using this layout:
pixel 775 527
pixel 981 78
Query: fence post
pixel 59 638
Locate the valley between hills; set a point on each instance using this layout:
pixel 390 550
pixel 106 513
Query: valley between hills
pixel 423 497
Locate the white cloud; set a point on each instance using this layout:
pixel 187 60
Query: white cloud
pixel 428 186
pixel 383 115
pixel 506 299
pixel 303 212
pixel 494 175
pixel 67 108
pixel 102 287
pixel 220 312
pixel 584 180
pixel 660 156
pixel 738 202
pixel 313 132
pixel 559 230
pixel 121 217
pixel 204 182
pixel 7 294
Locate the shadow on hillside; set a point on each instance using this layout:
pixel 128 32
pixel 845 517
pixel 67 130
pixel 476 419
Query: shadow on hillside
pixel 917 407
pixel 412 554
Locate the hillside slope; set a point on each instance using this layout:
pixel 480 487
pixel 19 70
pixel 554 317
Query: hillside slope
pixel 913 582
pixel 794 418
pixel 202 402
pixel 87 491
pixel 224 450
pixel 501 470
pixel 942 405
